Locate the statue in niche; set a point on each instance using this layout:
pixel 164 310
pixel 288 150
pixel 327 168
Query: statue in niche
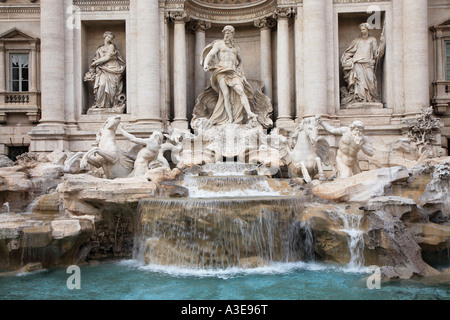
pixel 106 71
pixel 353 140
pixel 230 98
pixel 360 62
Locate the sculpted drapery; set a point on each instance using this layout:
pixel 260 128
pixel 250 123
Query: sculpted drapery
pixel 359 62
pixel 230 98
pixel 106 71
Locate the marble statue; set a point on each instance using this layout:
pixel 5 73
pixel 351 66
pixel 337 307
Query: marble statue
pixel 106 154
pixel 359 63
pixel 106 71
pixel 230 98
pixel 308 151
pixel 148 154
pixel 353 140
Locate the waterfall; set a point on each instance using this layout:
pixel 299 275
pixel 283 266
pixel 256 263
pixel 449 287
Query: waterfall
pixel 229 220
pixel 229 186
pixel 351 225
pixel 228 168
pixel 222 233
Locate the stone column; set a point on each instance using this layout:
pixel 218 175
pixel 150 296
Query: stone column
pixel 265 25
pixel 200 28
pixel 397 72
pixel 164 62
pixel 51 133
pixel 2 68
pixel 415 56
pixel 180 73
pixel 52 62
pixel 70 68
pixel 148 65
pixel 315 57
pixel 439 56
pixel 299 83
pixel 283 68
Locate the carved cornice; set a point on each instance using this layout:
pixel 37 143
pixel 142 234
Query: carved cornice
pixel 22 8
pixel 103 5
pixel 357 1
pixel 232 11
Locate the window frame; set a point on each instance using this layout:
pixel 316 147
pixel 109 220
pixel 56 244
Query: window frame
pixel 21 81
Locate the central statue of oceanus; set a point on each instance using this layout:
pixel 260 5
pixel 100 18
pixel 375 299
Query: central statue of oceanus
pixel 230 98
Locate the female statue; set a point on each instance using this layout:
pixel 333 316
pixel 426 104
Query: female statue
pixel 106 71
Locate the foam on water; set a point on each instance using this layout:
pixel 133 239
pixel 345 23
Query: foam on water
pixel 275 268
pixel 243 187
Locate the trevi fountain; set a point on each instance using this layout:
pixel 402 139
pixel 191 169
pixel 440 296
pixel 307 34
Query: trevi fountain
pixel 234 205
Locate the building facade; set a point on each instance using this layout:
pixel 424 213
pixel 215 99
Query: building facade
pixel 295 48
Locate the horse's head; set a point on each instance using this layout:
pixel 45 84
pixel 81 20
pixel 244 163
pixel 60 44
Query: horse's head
pixel 112 122
pixel 311 129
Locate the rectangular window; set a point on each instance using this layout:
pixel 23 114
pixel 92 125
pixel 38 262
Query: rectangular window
pixel 447 60
pixel 19 71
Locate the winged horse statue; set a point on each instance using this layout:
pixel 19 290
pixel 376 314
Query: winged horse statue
pixel 306 151
pixel 106 154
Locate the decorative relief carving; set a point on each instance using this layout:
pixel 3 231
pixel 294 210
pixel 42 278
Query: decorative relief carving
pixel 199 25
pixel 358 1
pixel 238 13
pixel 103 5
pixel 265 23
pixel 178 16
pixel 284 12
pixel 232 2
pixel 22 8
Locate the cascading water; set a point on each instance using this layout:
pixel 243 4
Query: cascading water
pixel 228 221
pixel 351 225
pixel 221 233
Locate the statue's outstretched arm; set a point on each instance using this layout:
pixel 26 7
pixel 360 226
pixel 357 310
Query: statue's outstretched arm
pixel 330 129
pixel 132 138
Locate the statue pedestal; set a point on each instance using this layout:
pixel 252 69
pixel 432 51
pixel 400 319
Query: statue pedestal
pixel 106 111
pixel 364 105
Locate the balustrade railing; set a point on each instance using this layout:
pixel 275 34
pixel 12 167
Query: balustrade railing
pixel 24 99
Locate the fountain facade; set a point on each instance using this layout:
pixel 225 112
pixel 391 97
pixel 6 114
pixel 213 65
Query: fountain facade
pixel 232 176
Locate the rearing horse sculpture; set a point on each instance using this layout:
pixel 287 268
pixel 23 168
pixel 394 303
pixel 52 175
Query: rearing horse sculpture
pixel 309 151
pixel 106 154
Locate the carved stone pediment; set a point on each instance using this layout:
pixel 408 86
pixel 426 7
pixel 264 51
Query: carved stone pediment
pixel 16 35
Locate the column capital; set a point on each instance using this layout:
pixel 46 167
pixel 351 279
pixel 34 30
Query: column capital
pixel 199 25
pixel 178 16
pixel 438 33
pixel 265 23
pixel 284 12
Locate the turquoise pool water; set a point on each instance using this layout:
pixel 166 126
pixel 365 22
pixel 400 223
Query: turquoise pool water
pixel 129 280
